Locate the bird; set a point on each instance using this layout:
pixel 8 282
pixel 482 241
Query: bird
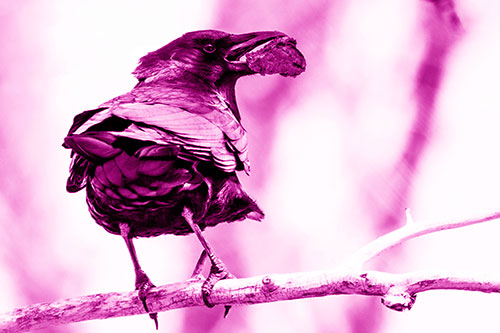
pixel 163 158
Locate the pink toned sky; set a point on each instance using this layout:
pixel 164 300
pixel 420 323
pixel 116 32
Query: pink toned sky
pixel 396 109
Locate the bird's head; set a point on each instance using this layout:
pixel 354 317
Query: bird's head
pixel 210 61
pixel 214 56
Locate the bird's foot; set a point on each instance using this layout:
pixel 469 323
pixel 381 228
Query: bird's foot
pixel 217 272
pixel 143 285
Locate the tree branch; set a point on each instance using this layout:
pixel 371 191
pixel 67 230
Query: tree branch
pixel 398 291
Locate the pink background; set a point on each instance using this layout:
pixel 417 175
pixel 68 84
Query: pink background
pixel 395 110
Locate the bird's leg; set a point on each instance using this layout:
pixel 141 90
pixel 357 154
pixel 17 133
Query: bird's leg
pixel 197 272
pixel 217 272
pixel 142 282
pixel 199 264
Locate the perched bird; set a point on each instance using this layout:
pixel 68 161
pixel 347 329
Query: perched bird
pixel 162 158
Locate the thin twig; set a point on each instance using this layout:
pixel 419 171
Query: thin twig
pixel 408 231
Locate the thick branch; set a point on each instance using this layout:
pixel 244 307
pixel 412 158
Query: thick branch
pixel 398 292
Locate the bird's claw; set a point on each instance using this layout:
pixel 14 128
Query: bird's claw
pixel 143 285
pixel 218 272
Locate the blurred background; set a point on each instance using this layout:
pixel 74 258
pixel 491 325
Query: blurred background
pixel 399 107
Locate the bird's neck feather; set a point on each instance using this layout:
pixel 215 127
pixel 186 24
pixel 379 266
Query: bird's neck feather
pixel 226 87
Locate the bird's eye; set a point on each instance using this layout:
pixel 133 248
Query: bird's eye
pixel 209 48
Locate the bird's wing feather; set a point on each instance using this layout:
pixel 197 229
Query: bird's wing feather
pixel 212 136
pixel 175 120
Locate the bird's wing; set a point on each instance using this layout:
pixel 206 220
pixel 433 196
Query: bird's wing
pixel 212 136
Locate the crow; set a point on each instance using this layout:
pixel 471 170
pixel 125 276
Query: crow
pixel 162 158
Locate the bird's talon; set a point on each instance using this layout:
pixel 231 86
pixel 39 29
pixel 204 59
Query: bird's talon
pixel 206 301
pixel 154 316
pixel 217 272
pixel 143 285
pixel 226 311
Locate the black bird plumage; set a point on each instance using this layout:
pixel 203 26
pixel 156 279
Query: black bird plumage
pixel 168 150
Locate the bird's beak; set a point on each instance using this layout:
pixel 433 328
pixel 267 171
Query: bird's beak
pixel 244 43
